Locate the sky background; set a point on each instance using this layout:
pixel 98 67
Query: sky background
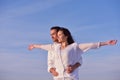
pixel 23 22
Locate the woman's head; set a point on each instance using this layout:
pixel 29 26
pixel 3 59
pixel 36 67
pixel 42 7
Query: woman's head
pixel 65 35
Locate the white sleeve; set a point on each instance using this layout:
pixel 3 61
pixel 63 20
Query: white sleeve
pixel 50 60
pixel 47 47
pixel 79 55
pixel 85 47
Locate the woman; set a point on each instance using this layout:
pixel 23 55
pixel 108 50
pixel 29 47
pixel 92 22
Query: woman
pixel 68 53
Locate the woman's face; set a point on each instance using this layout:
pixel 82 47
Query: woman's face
pixel 61 37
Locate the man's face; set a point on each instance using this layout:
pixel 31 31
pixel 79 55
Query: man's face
pixel 53 34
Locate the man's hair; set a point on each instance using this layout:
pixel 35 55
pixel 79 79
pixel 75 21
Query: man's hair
pixel 55 27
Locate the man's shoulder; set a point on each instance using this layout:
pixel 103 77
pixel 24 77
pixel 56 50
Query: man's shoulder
pixel 55 44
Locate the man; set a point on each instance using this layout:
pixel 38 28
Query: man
pixel 53 32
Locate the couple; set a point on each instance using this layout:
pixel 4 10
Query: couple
pixel 64 55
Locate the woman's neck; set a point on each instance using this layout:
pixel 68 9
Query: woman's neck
pixel 64 45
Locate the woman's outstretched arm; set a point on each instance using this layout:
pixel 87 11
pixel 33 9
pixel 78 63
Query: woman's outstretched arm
pixel 86 46
pixel 47 47
pixel 32 46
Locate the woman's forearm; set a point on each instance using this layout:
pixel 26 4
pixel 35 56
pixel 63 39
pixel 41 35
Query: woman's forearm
pixel 110 42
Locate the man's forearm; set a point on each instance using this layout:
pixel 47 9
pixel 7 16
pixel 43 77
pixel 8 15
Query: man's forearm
pixel 76 65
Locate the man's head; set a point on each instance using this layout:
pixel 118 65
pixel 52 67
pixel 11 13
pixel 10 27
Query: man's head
pixel 53 32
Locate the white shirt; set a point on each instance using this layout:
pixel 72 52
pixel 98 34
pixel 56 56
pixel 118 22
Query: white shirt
pixel 60 59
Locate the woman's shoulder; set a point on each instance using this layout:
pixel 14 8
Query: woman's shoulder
pixel 74 44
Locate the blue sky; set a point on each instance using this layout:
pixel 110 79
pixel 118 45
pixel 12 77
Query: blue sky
pixel 23 22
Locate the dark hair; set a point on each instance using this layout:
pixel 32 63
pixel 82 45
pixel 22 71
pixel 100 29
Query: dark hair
pixel 55 27
pixel 67 33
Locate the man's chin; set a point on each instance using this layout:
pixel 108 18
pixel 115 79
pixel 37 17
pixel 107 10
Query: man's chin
pixel 55 40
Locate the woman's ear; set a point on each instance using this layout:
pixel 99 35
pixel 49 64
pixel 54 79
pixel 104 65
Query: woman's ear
pixel 66 37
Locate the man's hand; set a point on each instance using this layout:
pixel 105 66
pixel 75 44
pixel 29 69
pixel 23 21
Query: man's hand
pixel 71 68
pixel 53 71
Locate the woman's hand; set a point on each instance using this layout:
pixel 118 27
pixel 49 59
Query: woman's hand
pixel 31 47
pixel 111 42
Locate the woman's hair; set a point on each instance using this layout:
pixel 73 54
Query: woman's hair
pixel 67 33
